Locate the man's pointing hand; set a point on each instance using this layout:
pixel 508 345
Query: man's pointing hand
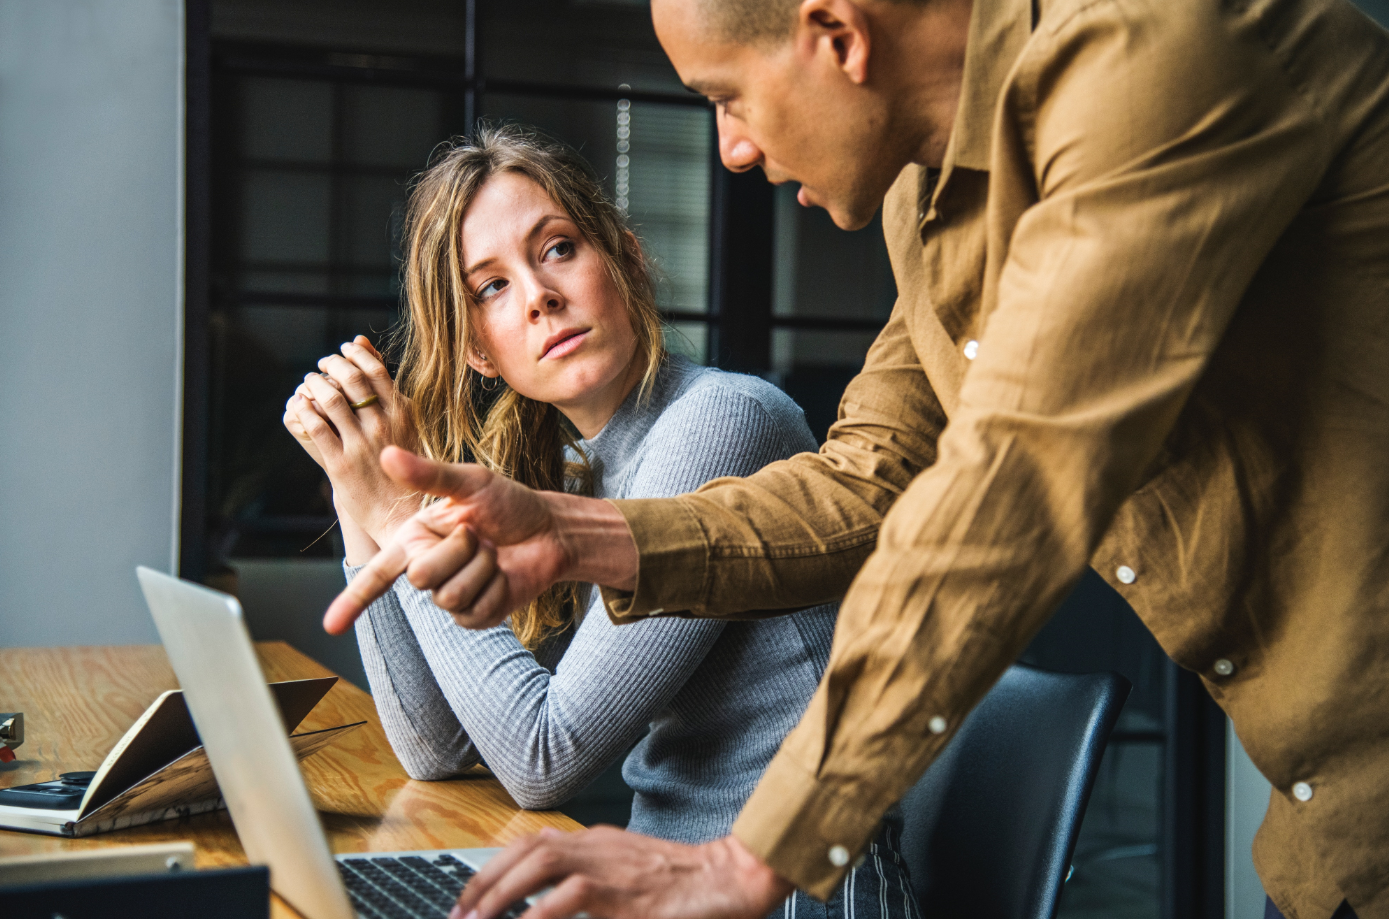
pixel 490 547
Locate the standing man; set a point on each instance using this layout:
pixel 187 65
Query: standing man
pixel 1142 250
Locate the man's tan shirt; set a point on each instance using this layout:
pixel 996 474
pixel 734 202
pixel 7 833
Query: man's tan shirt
pixel 1143 324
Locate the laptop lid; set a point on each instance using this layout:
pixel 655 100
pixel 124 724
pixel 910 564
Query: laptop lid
pixel 206 639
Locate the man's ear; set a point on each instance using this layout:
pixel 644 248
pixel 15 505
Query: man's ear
pixel 839 29
pixel 479 362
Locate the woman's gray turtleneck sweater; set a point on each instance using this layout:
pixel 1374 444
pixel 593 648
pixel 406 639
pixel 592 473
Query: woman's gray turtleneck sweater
pixel 713 699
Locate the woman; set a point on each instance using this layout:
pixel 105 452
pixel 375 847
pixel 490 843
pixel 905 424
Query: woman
pixel 525 288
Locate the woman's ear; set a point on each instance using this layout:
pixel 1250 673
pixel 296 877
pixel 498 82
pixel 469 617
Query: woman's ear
pixel 479 362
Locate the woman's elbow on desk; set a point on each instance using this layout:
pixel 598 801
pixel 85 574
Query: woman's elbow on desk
pixel 425 765
pixel 539 799
pixel 427 772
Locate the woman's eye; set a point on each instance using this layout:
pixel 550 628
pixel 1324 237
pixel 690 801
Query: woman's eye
pixel 491 288
pixel 562 249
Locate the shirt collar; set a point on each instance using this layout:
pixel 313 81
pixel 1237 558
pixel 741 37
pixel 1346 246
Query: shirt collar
pixel 998 29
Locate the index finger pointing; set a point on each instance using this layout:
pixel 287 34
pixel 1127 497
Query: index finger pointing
pixel 369 585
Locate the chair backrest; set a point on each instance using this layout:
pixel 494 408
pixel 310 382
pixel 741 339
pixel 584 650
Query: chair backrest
pixel 991 826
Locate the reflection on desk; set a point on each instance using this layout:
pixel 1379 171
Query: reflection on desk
pixel 79 701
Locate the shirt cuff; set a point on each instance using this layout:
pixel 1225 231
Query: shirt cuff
pixel 673 560
pixel 809 831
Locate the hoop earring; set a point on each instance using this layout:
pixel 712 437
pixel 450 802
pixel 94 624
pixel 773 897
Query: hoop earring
pixel 486 380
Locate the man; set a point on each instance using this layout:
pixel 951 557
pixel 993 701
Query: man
pixel 1142 252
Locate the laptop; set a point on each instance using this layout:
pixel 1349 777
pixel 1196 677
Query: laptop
pixel 206 639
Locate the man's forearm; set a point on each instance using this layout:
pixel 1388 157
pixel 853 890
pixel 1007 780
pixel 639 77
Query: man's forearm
pixel 598 547
pixel 794 533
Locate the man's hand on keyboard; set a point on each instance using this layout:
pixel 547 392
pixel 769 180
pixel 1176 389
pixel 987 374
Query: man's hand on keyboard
pixel 619 875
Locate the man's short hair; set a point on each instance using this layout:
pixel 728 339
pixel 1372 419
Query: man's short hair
pixel 751 22
pixel 757 22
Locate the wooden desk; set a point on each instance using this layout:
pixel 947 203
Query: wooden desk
pixel 77 702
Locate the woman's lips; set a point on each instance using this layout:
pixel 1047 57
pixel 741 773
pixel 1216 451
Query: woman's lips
pixel 566 345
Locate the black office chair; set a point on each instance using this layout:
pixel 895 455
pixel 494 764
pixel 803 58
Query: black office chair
pixel 991 826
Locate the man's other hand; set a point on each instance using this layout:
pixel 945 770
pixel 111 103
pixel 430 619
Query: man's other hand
pixel 490 547
pixel 619 875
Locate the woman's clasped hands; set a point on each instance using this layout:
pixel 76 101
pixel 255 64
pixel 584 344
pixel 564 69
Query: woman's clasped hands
pixel 344 416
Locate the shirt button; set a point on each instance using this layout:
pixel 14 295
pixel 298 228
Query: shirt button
pixel 937 725
pixel 971 350
pixel 839 856
pixel 1223 667
pixel 1302 791
pixel 1125 574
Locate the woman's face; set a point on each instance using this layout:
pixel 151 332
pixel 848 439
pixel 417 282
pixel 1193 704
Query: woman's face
pixel 548 318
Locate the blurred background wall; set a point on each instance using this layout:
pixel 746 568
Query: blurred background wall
pixel 91 181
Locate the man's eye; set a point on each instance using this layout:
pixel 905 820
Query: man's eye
pixel 562 249
pixel 491 288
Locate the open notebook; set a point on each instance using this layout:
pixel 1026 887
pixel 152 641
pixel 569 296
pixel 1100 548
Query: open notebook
pixel 159 769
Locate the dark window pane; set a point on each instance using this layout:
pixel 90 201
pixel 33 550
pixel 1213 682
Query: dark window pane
pixel 812 349
pixel 292 336
pixel 267 280
pixel 668 196
pixel 391 126
pixel 823 271
pixel 602 44
pixel 589 127
pixel 371 218
pixel 289 120
pixel 403 26
pixel 285 218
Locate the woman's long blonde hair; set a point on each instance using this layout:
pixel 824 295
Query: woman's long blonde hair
pixel 513 435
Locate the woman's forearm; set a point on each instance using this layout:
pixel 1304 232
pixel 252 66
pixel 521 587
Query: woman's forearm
pixel 358 547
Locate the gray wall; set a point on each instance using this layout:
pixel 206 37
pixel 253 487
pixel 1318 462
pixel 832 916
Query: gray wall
pixel 91 158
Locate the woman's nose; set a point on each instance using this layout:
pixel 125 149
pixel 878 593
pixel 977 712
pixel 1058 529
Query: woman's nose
pixel 545 301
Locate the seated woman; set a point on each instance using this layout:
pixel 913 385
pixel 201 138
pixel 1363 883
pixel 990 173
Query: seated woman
pixel 523 282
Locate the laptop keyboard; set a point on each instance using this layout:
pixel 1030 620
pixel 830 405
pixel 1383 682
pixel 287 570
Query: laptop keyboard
pixel 407 887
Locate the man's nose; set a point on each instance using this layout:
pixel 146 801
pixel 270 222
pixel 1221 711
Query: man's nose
pixel 738 152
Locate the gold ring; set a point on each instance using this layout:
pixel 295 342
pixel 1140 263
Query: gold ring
pixel 369 400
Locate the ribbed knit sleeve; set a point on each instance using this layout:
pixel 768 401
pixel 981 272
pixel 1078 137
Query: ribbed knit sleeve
pixel 422 729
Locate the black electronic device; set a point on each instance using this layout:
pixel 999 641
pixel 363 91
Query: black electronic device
pixel 62 793
pixel 229 893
